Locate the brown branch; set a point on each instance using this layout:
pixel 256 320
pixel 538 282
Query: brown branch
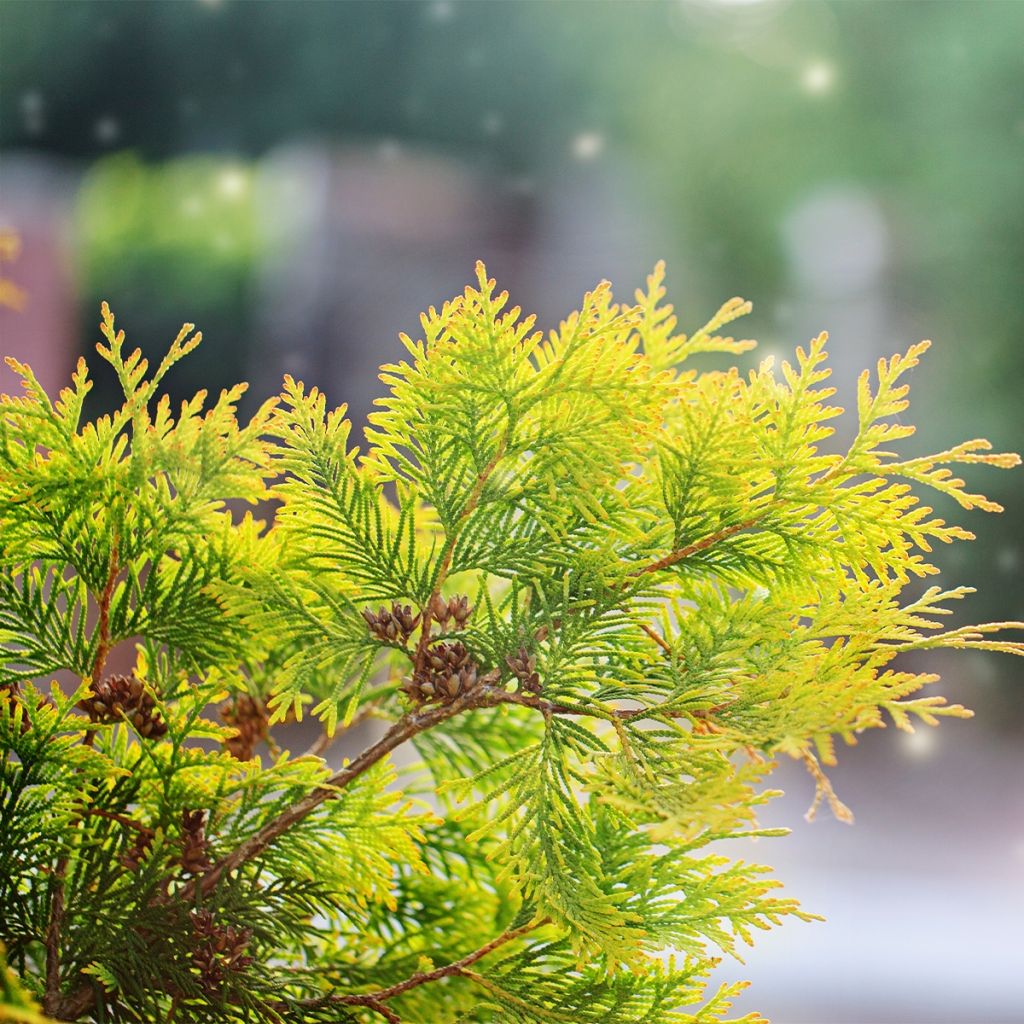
pixel 443 972
pixel 449 549
pixel 389 1015
pixel 548 707
pixel 405 728
pixel 120 818
pixel 103 627
pixel 78 1003
pixel 375 999
pixel 691 549
pixel 52 999
pixel 656 637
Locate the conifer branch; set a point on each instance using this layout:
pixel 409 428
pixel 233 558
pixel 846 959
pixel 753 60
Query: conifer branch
pixel 51 998
pixel 449 549
pixel 389 1015
pixel 691 549
pixel 57 911
pixel 503 993
pixel 779 641
pixel 548 707
pixel 103 624
pixel 375 999
pixel 121 819
pixel 404 729
pixel 657 638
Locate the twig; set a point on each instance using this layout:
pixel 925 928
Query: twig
pixel 691 549
pixel 486 983
pixel 823 791
pixel 449 549
pixel 120 818
pixel 656 637
pixel 52 998
pixel 103 627
pixel 405 728
pixel 374 1000
pixel 389 1015
pixel 454 968
pixel 548 707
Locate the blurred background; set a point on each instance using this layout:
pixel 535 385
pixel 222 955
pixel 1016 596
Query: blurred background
pixel 300 179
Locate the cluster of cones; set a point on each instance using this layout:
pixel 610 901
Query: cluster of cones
pixel 445 670
pixel 455 611
pixel 195 847
pixel 125 697
pixel 219 950
pixel 524 668
pixel 249 716
pixel 394 626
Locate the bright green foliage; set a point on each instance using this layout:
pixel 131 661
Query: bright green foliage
pixel 598 591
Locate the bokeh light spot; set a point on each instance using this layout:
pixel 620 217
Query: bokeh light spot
pixel 818 78
pixel 232 183
pixel 920 743
pixel 587 145
pixel 107 130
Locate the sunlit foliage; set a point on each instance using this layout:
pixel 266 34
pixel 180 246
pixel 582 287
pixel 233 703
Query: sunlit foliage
pixel 599 591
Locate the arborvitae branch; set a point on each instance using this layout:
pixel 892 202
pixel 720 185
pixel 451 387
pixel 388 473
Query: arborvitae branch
pixel 692 549
pixel 103 641
pixel 408 726
pixel 446 556
pixel 375 999
pixel 591 711
pixel 51 1002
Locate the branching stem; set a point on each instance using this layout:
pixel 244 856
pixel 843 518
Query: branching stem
pixel 691 549
pixel 103 626
pixel 449 549
pixel 52 998
pixel 375 1000
pixel 548 707
pixel 405 728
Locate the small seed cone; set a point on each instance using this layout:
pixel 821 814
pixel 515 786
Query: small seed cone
pixel 524 668
pixel 250 718
pixel 392 626
pixel 132 857
pixel 217 950
pixel 195 856
pixel 119 698
pixel 448 671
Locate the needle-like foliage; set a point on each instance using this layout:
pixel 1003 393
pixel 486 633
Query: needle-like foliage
pixel 598 591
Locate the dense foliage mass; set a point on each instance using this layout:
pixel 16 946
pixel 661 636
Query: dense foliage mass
pixel 598 593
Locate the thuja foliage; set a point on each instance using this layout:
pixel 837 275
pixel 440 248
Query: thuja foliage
pixel 598 592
